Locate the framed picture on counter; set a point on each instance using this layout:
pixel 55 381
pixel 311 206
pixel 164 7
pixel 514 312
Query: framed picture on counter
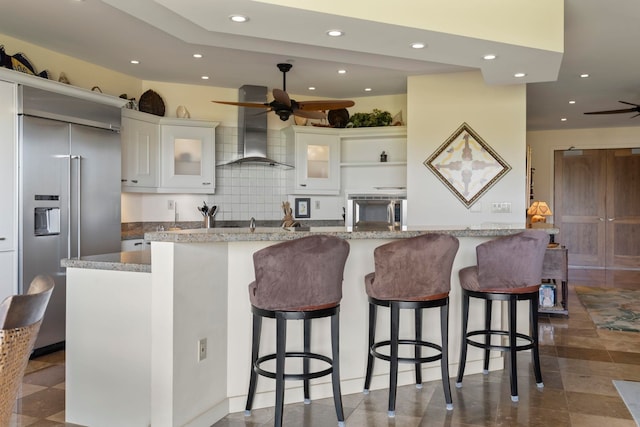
pixel 303 208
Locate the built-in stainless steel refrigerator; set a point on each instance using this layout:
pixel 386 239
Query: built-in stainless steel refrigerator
pixel 69 193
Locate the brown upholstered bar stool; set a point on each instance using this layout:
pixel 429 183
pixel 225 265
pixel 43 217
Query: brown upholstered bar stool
pixel 299 279
pixel 509 269
pixel 413 274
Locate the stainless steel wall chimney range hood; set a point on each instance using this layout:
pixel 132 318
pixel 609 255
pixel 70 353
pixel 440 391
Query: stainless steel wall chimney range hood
pixel 252 130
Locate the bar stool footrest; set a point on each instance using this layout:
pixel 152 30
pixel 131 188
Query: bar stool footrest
pixel 412 360
pixel 294 377
pixel 485 332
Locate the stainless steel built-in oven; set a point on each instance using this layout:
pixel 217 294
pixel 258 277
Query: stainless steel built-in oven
pixel 367 212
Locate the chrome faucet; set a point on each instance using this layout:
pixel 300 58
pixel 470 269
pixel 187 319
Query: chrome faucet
pixel 252 224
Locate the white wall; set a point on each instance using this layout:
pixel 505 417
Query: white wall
pixel 544 143
pixel 437 106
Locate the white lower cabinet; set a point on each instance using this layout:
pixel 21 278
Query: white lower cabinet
pixel 9 282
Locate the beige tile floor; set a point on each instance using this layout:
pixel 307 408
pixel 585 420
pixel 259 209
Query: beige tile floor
pixel 579 363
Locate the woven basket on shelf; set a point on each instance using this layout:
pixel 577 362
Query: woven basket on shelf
pixel 150 102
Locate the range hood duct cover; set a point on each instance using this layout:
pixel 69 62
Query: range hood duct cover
pixel 252 130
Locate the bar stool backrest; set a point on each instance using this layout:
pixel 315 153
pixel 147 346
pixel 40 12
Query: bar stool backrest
pixel 299 275
pixel 413 268
pixel 512 261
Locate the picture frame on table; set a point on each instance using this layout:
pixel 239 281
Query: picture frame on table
pixel 303 208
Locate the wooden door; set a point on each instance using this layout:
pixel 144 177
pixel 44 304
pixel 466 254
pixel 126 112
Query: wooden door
pixel 597 209
pixel 623 208
pixel 579 205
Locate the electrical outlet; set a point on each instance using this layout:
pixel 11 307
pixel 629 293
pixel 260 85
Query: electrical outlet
pixel 202 349
pixel 171 205
pixel 501 207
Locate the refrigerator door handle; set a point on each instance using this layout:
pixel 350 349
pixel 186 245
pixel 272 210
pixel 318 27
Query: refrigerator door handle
pixel 78 201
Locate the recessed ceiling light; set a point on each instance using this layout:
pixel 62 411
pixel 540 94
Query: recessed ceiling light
pixel 572 102
pixel 489 57
pixel 342 71
pixel 135 61
pixel 519 75
pixel 564 119
pixel 367 89
pixel 197 55
pixel 312 88
pixel 335 33
pixel 205 77
pixel 238 18
pixel 418 45
pixel 584 76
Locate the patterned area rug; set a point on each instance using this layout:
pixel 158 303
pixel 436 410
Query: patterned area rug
pixel 609 308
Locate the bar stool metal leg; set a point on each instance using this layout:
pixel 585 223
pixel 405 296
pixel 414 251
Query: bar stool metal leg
pixel 488 307
pixel 535 352
pixel 418 348
pixel 305 361
pixel 281 343
pixel 463 346
pixel 393 374
pixel 444 362
pixel 512 347
pixel 372 337
pixel 335 374
pixel 255 348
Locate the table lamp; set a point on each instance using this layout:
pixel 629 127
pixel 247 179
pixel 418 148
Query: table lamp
pixel 538 211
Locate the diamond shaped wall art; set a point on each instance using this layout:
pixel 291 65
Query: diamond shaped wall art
pixel 467 165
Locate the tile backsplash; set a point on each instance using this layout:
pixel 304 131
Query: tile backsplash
pixel 242 191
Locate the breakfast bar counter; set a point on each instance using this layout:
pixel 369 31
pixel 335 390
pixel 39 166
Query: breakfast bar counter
pixel 144 329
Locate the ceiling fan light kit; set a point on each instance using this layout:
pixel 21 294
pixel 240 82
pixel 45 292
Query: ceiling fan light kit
pixel 285 107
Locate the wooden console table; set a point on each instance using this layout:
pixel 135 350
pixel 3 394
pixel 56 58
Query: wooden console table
pixel 555 269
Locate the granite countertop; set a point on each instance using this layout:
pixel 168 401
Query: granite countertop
pixel 280 234
pixel 138 261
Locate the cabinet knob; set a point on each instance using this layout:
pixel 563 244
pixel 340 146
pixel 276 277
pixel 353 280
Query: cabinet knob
pixel 303 185
pixel 3 238
pixel 611 219
pixel 123 180
pixel 135 181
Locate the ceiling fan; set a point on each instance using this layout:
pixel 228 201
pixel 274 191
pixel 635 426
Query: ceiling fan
pixel 284 106
pixel 635 109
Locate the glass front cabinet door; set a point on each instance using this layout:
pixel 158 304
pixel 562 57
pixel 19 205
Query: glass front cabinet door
pixel 188 156
pixel 317 162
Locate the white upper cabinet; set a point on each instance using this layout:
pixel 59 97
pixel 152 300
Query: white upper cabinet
pixel 316 156
pixel 8 162
pixel 188 156
pixel 163 155
pixel 140 135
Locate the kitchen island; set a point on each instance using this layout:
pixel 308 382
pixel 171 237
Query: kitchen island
pixel 134 336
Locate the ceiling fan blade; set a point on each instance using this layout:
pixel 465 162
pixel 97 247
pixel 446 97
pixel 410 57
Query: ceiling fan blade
pixel 244 104
pixel 329 104
pixel 629 103
pixel 626 110
pixel 281 97
pixel 310 114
